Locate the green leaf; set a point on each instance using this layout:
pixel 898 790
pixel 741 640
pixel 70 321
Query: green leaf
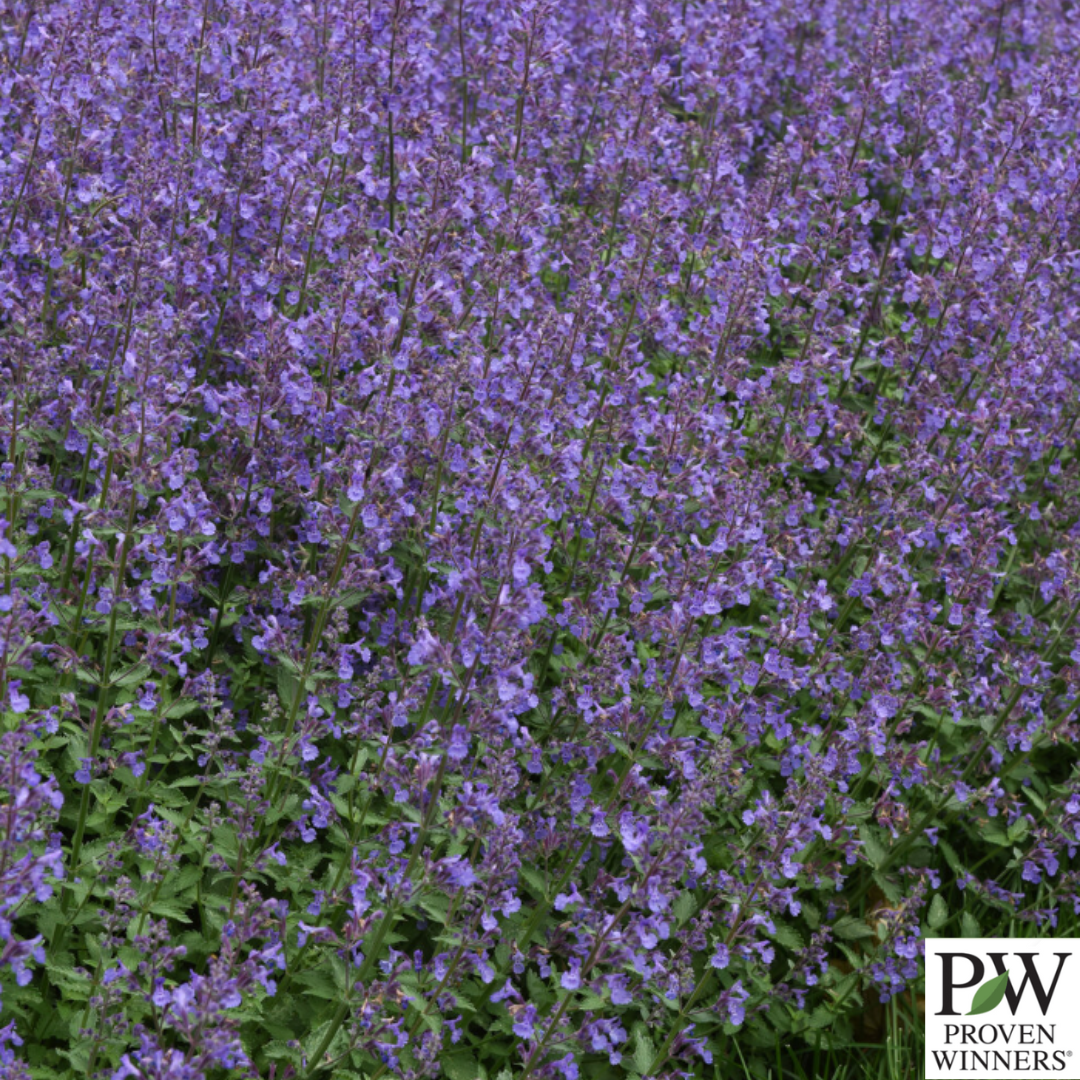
pixel 314 1041
pixel 684 907
pixel 134 676
pixel 875 850
pixel 955 865
pixel 351 597
pixel 539 994
pixel 281 1050
pixel 939 912
pixel 169 911
pixel 1018 830
pixel 789 937
pixel 893 893
pixel 436 906
pixel 969 926
pixel 287 686
pixel 589 1001
pixel 989 995
pixel 318 984
pixel 461 1067
pixel 182 707
pixel 852 929
pixel 535 880
pixel 73 986
pixel 79 1059
pixel 821 1017
pixel 187 876
pixel 38 495
pixel 644 1050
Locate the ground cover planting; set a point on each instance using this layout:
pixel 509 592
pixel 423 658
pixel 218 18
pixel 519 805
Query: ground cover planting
pixel 537 540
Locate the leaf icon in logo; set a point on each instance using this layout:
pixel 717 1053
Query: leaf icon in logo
pixel 989 995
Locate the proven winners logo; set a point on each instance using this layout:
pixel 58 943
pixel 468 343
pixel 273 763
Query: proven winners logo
pixel 1003 1008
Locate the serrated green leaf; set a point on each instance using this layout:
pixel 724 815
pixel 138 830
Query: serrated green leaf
pixel 78 1057
pixel 187 876
pixel 589 1001
pixel 704 1018
pixel 539 994
pixel 535 879
pixel 314 1041
pixel 461 1067
pixel 875 850
pixel 169 911
pixel 436 906
pixel 939 912
pixel 38 494
pixel 989 995
pixel 788 936
pixel 644 1050
pixel 134 677
pixel 287 686
pixel 852 929
pixel 955 865
pixel 281 1050
pixel 350 598
pixel 684 907
pixel 318 984
pixel 1018 830
pixel 180 708
pixel 821 1017
pixel 893 893
pixel 346 782
pixel 70 983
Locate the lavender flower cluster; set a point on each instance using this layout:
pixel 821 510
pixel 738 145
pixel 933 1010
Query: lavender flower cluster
pixel 521 522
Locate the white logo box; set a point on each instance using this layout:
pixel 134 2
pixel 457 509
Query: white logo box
pixel 1003 1008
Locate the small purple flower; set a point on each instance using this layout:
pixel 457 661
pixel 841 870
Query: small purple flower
pixel 17 700
pixel 571 978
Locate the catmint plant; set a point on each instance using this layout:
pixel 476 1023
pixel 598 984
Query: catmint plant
pixel 536 541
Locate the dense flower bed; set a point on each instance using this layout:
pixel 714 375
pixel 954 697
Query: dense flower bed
pixel 537 540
